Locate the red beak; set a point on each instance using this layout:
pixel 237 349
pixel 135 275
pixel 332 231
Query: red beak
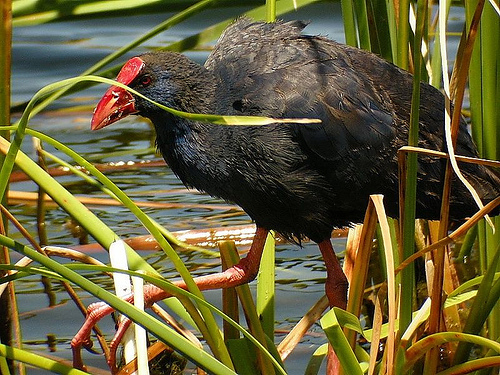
pixel 117 103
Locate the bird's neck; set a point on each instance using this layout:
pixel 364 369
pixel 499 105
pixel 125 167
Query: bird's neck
pixel 196 95
pixel 195 153
pixel 194 150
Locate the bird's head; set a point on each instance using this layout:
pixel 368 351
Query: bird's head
pixel 168 78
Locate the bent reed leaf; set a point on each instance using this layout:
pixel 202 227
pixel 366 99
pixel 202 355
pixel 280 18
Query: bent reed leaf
pixel 212 118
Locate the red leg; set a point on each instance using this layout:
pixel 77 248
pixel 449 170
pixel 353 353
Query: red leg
pixel 336 282
pixel 244 272
pixel 336 290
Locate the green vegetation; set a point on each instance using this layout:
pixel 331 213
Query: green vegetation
pixel 407 332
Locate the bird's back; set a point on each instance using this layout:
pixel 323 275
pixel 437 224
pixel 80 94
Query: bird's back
pixel 364 104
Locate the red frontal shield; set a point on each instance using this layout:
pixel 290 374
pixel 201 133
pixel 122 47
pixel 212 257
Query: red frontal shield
pixel 117 103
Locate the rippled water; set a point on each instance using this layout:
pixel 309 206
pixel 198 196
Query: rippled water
pixel 47 53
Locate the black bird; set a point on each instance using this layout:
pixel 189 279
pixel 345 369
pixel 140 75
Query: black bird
pixel 300 180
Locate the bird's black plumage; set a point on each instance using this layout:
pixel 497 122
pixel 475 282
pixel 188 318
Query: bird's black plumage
pixel 300 180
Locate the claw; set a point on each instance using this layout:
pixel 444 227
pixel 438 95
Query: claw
pixel 95 312
pixel 88 345
pixel 239 274
pixel 113 346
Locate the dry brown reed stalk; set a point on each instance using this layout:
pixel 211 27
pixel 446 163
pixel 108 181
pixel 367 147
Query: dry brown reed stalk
pixel 25 197
pixel 454 236
pixel 292 339
pixel 19 176
pixel 357 284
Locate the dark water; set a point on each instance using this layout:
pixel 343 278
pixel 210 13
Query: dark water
pixel 47 53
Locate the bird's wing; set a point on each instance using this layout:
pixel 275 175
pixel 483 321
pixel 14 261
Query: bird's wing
pixel 353 119
pixel 285 74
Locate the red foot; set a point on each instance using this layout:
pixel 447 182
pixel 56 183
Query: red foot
pixel 242 273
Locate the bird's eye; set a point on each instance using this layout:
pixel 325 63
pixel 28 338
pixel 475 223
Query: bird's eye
pixel 145 80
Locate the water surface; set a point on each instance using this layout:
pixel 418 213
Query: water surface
pixel 47 53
